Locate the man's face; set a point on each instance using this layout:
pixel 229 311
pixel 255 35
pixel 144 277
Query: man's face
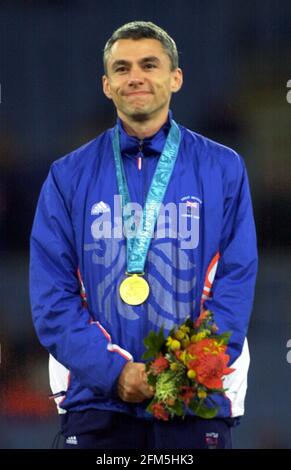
pixel 139 79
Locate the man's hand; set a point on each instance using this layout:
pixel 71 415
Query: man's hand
pixel 132 383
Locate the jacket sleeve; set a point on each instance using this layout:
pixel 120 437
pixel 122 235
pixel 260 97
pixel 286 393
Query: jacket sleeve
pixel 62 324
pixel 234 281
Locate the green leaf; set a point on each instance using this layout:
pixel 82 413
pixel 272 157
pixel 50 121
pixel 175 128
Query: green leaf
pixel 188 322
pixel 206 413
pixel 150 354
pixel 216 390
pixel 224 337
pixel 152 380
pixel 176 409
pixel 172 331
pixel 202 411
pixel 148 408
pixel 153 343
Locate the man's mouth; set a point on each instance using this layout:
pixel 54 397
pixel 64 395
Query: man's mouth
pixel 138 93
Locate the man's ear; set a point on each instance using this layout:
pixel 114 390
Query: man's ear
pixel 177 80
pixel 106 87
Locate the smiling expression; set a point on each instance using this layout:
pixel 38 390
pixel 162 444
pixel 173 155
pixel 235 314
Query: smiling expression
pixel 139 79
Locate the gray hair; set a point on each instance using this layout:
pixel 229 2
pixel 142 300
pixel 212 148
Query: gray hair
pixel 141 30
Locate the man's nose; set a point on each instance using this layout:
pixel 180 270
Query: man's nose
pixel 135 77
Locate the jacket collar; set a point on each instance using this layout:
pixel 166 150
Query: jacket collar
pixel 151 146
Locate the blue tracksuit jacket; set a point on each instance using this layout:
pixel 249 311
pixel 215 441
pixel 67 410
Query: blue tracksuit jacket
pixel 89 342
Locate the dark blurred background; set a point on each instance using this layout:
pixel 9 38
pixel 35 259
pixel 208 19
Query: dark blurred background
pixel 235 55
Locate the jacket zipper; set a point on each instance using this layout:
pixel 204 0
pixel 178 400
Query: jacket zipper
pixel 139 158
pixel 139 166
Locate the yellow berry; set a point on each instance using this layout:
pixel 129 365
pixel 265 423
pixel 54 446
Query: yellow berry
pixel 175 345
pixel 183 356
pixel 185 328
pixel 185 342
pixel 171 401
pixel 201 394
pixel 191 374
pixel 179 335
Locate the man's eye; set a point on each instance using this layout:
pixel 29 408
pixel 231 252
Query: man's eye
pixel 120 69
pixel 150 66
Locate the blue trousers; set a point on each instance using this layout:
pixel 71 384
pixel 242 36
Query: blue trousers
pixel 111 430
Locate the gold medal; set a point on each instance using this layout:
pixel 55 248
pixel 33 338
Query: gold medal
pixel 134 290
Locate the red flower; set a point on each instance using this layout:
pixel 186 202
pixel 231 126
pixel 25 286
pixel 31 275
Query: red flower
pixel 159 411
pixel 186 394
pixel 203 315
pixel 178 354
pixel 210 369
pixel 205 346
pixel 159 365
pixel 210 362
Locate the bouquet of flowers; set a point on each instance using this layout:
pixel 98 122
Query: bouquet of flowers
pixel 187 368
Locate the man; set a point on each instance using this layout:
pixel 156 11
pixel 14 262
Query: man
pixel 86 238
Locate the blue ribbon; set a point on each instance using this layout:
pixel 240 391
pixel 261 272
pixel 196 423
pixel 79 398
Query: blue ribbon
pixel 138 245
